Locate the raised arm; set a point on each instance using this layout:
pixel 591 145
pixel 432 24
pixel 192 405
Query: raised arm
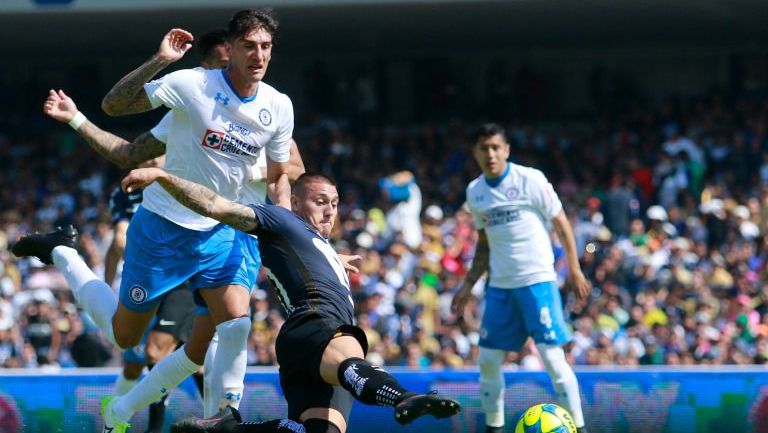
pixel 196 197
pixel 114 149
pixel 479 267
pixel 295 164
pixel 128 96
pixel 278 187
pixel 576 279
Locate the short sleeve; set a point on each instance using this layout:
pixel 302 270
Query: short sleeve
pixel 172 89
pixel 543 195
pixel 270 218
pixel 279 148
pixel 163 128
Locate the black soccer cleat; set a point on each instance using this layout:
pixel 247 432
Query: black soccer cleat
pixel 223 422
pixel 40 245
pixel 425 404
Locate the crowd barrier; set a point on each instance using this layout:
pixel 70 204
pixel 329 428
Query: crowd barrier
pixel 658 400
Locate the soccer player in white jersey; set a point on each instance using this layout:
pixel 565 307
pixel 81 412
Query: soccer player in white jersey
pixel 222 120
pixel 512 206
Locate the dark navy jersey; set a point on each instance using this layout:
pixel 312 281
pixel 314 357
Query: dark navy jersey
pixel 122 206
pixel 302 265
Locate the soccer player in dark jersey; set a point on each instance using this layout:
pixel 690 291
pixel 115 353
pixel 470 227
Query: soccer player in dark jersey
pixel 320 350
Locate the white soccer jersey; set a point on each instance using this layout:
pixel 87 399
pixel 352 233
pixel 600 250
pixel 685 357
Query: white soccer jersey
pixel 255 191
pixel 515 211
pixel 252 192
pixel 214 136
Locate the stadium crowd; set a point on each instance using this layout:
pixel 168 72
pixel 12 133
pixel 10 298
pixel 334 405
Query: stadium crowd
pixel 669 206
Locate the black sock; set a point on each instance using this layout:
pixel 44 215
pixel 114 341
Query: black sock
pixel 156 412
pixel 198 377
pixel 271 426
pixel 314 425
pixel 371 385
pixel 157 415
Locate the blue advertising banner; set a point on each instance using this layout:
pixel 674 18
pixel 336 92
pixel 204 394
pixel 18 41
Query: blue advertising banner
pixel 662 400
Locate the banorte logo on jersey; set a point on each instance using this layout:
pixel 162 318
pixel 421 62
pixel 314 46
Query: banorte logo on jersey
pixel 224 142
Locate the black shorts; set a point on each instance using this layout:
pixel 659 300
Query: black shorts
pixel 299 348
pixel 176 313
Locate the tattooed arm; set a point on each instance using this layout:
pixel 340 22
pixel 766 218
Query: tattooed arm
pixel 128 96
pixel 119 151
pixel 114 149
pixel 196 197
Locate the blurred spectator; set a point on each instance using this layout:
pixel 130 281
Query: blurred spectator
pixel 669 207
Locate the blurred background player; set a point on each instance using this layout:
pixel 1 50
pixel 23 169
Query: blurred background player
pixel 512 206
pixel 320 350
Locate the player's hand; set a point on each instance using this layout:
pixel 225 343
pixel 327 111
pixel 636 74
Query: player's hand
pixel 346 261
pixel 59 106
pixel 579 284
pixel 140 178
pixel 460 300
pixel 175 44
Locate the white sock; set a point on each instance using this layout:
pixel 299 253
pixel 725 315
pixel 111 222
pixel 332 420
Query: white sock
pixel 563 380
pixel 492 385
pixel 212 387
pixel 93 294
pixel 123 385
pixel 231 359
pixel 164 376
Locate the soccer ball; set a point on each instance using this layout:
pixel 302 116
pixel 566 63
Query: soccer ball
pixel 545 418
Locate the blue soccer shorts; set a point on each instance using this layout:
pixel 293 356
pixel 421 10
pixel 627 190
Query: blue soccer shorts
pixel 160 255
pixel 512 315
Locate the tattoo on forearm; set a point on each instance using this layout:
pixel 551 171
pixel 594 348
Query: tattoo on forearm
pixel 118 150
pixel 124 97
pixel 207 203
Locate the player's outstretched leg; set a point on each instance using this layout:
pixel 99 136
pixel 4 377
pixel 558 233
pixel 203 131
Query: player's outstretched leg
pixel 40 245
pixel 228 420
pixel 375 386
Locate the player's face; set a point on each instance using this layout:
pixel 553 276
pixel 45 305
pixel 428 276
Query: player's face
pixel 491 154
pixel 318 206
pixel 250 55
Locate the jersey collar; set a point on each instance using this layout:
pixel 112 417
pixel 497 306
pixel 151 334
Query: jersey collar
pixel 493 183
pixel 229 83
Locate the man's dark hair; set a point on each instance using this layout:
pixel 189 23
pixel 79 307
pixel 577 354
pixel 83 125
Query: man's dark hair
pixel 209 41
pixel 246 20
pixel 489 130
pixel 299 187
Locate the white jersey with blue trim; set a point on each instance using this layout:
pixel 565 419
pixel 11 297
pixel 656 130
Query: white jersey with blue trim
pixel 214 136
pixel 515 211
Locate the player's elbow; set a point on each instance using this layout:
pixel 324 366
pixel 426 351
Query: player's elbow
pixel 108 106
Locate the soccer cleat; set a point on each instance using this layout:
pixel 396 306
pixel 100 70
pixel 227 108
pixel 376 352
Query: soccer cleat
pixel 425 404
pixel 111 425
pixel 40 245
pixel 223 422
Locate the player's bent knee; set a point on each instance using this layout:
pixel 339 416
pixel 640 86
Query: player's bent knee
pixel 490 360
pixel 127 340
pixel 159 345
pixel 554 360
pixel 323 420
